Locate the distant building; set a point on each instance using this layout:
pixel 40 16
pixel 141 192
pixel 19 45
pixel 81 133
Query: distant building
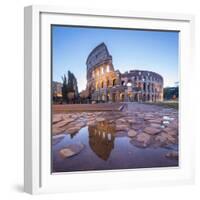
pixel 57 91
pixel 106 84
pixel 171 93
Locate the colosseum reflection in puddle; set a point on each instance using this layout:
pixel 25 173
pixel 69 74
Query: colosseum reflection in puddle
pixel 105 84
pixel 101 139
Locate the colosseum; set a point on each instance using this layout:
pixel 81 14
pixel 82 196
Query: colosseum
pixel 105 84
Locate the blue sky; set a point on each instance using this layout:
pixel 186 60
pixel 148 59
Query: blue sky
pixel 131 49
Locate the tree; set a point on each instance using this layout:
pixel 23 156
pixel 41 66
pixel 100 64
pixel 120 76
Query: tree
pixel 72 83
pixel 70 87
pixel 64 89
pixel 71 96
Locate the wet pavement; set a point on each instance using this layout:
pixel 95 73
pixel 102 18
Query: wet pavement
pixel 141 136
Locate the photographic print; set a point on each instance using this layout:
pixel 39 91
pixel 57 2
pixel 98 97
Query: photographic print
pixel 115 97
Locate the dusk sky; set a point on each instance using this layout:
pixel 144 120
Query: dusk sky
pixel 130 49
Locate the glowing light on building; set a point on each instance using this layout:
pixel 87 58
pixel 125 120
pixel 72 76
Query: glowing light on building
pixel 102 70
pixel 129 84
pixel 108 68
pixel 97 73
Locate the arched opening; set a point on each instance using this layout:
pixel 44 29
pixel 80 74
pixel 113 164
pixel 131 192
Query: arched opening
pixel 108 96
pixel 148 97
pixel 107 83
pixel 135 84
pixel 114 82
pixel 102 70
pixel 148 87
pixel 123 83
pixel 103 97
pixel 144 86
pixel 129 83
pixel 99 97
pixel 136 97
pixel 122 97
pixel 93 74
pixel 129 96
pixel 108 68
pixel 152 87
pixel 102 84
pixel 113 97
pixel 144 97
pixel 139 86
pixel 97 72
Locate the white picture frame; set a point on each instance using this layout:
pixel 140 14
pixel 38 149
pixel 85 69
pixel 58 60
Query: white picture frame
pixel 37 137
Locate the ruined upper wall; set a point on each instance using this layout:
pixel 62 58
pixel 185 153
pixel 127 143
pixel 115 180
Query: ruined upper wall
pixel 143 74
pixel 97 56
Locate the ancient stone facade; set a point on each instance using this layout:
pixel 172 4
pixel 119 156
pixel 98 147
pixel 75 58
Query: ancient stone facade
pixel 105 84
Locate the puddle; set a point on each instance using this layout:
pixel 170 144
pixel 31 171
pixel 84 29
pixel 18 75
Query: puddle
pixel 104 150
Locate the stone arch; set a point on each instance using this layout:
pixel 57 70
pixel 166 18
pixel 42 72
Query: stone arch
pixel 102 84
pixel 148 87
pixel 144 86
pixel 144 97
pixel 148 97
pixel 152 87
pixel 114 82
pixel 108 96
pixel 98 97
pixel 140 85
pixel 102 70
pixel 108 83
pixel 122 96
pixel 103 98
pixel 114 97
pixel 130 96
pixel 136 97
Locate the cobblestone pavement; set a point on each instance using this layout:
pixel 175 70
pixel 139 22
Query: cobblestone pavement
pixel 146 125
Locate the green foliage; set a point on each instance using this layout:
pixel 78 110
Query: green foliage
pixel 64 88
pixel 69 86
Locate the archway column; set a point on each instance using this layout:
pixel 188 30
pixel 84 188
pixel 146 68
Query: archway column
pixel 118 96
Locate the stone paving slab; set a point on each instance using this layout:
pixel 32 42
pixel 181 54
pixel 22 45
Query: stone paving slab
pixel 146 125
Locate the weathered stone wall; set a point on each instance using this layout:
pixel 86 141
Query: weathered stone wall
pixel 145 85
